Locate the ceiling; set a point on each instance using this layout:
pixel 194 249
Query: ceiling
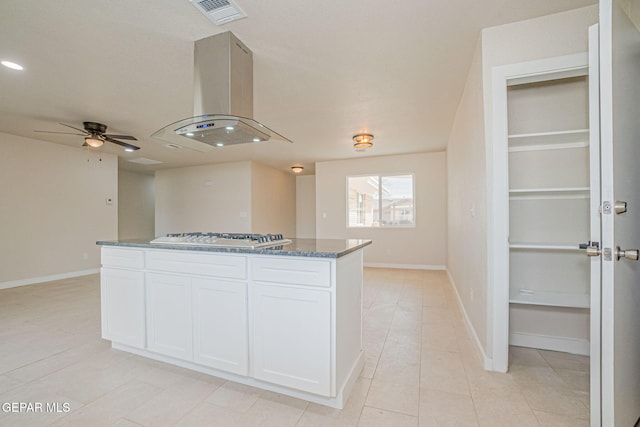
pixel 323 71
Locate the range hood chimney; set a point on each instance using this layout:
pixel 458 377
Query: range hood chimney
pixel 223 99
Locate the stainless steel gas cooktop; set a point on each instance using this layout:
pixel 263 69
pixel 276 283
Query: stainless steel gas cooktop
pixel 223 240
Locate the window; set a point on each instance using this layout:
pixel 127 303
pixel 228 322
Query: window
pixel 380 201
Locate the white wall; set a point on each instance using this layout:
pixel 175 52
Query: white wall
pixel 204 198
pixel 467 232
pixel 53 209
pixel 273 201
pixel 136 205
pixel 544 37
pixel 422 246
pixel 240 197
pixel 306 206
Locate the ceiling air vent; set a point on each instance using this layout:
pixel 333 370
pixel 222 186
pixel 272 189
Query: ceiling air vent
pixel 145 161
pixel 219 11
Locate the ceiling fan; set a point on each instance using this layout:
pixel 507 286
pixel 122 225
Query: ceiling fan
pixel 94 135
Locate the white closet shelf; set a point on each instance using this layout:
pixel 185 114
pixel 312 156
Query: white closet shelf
pixel 547 298
pixel 544 246
pixel 575 138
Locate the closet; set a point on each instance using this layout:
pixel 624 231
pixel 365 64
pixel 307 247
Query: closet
pixel 548 176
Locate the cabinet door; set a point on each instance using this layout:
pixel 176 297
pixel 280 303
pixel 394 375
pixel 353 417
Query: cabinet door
pixel 291 337
pixel 220 330
pixel 122 305
pixel 169 315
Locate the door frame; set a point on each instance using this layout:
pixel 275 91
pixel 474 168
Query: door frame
pixel 595 327
pixel 498 188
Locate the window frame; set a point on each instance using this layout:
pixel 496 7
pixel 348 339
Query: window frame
pixel 380 177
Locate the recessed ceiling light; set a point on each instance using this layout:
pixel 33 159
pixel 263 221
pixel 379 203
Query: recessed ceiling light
pixel 12 65
pixel 129 150
pixel 229 128
pixel 219 144
pixel 189 133
pixel 256 139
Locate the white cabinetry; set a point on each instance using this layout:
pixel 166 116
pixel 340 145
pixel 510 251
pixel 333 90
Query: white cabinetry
pixel 291 337
pixel 220 325
pixel 201 318
pixel 549 213
pixel 289 324
pixel 169 315
pixel 122 296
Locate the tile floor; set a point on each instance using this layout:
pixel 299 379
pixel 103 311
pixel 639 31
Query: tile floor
pixel 421 369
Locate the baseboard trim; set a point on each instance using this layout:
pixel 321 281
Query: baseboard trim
pixel 405 266
pixel 50 278
pixel 549 342
pixel 487 362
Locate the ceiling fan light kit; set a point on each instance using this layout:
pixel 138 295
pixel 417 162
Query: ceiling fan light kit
pixel 95 136
pixel 93 141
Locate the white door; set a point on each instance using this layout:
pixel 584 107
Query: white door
pixel 291 337
pixel 122 306
pixel 169 328
pixel 220 331
pixel 620 152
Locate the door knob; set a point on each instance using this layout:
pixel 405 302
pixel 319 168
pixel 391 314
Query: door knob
pixel 626 253
pixel 620 207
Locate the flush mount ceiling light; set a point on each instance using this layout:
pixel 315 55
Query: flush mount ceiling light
pixel 94 141
pixel 297 169
pixel 362 140
pixel 12 65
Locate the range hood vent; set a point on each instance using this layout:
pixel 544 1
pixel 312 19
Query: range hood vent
pixel 223 99
pixel 219 11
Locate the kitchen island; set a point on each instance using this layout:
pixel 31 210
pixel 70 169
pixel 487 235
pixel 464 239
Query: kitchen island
pixel 286 319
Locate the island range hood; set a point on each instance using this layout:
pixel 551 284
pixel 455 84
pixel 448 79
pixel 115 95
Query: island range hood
pixel 223 99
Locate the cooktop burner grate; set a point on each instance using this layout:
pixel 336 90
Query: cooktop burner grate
pixel 230 240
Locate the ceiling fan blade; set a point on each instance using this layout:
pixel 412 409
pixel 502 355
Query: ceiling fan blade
pixel 63 133
pixel 129 137
pixel 84 132
pixel 124 144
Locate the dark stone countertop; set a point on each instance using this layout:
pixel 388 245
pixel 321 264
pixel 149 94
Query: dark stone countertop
pixel 321 248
